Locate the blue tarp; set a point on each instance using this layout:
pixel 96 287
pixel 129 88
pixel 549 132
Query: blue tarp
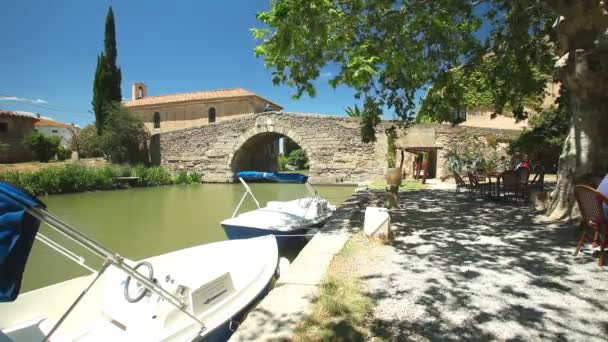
pixel 17 232
pixel 276 177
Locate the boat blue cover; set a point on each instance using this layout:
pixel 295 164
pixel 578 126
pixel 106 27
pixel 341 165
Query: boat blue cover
pixel 272 177
pixel 17 232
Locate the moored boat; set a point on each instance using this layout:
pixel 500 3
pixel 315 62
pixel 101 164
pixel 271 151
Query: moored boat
pixel 197 293
pixel 288 221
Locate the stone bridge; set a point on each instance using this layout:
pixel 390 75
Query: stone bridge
pixel 219 150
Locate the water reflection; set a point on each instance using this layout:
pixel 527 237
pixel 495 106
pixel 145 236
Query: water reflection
pixel 140 223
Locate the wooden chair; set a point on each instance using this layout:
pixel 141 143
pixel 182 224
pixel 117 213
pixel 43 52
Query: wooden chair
pixel 511 183
pixel 476 185
pixel 460 183
pixel 592 218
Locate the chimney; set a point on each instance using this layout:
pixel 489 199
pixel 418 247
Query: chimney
pixel 38 115
pixel 138 91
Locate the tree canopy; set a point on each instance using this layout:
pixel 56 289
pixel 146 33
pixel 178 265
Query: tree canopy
pixel 388 50
pixel 106 85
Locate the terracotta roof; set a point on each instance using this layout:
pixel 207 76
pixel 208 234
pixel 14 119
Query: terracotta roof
pixel 46 122
pixel 14 114
pixel 194 96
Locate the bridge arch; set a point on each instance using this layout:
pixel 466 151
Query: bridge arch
pixel 332 145
pixel 247 153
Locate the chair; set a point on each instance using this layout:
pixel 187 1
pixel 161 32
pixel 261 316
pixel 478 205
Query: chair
pixel 460 183
pixel 592 217
pixel 538 182
pixel 511 183
pixel 524 174
pixel 476 185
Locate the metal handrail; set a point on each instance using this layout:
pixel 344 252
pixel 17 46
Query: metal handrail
pixel 102 252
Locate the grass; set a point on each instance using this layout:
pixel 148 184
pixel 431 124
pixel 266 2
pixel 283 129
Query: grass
pixel 406 185
pixel 341 311
pixel 37 166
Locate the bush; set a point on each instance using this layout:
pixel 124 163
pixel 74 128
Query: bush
pixel 43 147
pixel 152 176
pixel 78 178
pixel 298 159
pixel 86 142
pixel 123 137
pixel 282 163
pixel 185 177
pixel 63 153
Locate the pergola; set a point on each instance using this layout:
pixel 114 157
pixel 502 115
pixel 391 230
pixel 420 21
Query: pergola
pixel 425 151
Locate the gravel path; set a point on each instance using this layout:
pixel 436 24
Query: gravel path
pixel 464 269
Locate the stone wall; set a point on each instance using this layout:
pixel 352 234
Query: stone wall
pixel 16 129
pixel 332 143
pixel 444 135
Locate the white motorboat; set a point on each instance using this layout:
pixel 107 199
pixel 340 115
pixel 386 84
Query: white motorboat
pixel 197 293
pixel 286 220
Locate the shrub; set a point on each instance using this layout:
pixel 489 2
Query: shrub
pixel 187 177
pixel 152 176
pixel 63 153
pixel 298 159
pixel 78 178
pixel 282 163
pixel 123 137
pixel 43 147
pixel 86 142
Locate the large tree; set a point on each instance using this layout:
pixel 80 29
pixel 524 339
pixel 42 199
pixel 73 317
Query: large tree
pixel 388 50
pixel 106 85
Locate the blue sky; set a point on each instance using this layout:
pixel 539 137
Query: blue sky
pixel 48 52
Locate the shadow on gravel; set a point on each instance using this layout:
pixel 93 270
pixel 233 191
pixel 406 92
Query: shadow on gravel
pixel 466 268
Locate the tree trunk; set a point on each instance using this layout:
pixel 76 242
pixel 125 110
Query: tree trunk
pixel 582 31
pixel 585 153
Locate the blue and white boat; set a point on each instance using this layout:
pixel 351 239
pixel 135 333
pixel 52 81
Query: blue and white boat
pixel 288 221
pixel 272 177
pixel 197 293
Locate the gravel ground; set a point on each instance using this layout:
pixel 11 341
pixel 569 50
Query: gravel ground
pixel 460 268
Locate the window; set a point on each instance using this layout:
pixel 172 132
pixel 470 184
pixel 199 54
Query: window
pixel 156 120
pixel 211 115
pixel 140 92
pixel 54 131
pixel 3 126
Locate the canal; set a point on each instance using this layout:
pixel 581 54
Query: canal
pixel 143 222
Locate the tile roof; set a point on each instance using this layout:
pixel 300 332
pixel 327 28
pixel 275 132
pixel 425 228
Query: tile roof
pixel 45 122
pixel 15 114
pixel 193 96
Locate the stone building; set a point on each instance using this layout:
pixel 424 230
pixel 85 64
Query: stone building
pixel 13 128
pixel 166 113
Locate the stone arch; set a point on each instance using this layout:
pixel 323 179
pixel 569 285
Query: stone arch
pixel 266 127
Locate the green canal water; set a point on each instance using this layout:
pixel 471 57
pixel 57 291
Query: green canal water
pixel 143 222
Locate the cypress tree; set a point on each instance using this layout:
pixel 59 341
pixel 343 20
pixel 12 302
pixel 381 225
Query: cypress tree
pixel 106 85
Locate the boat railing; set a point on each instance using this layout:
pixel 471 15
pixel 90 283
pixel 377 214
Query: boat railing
pixel 247 192
pixel 99 250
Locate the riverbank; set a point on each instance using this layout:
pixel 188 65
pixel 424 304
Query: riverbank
pixel 74 177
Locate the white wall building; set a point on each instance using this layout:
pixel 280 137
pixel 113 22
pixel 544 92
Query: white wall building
pixel 50 127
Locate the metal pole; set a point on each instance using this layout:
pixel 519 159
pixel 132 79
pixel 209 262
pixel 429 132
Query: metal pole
pixel 248 189
pixel 84 292
pixel 101 251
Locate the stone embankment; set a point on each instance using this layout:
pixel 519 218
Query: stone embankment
pixel 279 313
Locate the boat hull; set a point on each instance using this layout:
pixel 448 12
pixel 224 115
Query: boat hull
pixel 285 239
